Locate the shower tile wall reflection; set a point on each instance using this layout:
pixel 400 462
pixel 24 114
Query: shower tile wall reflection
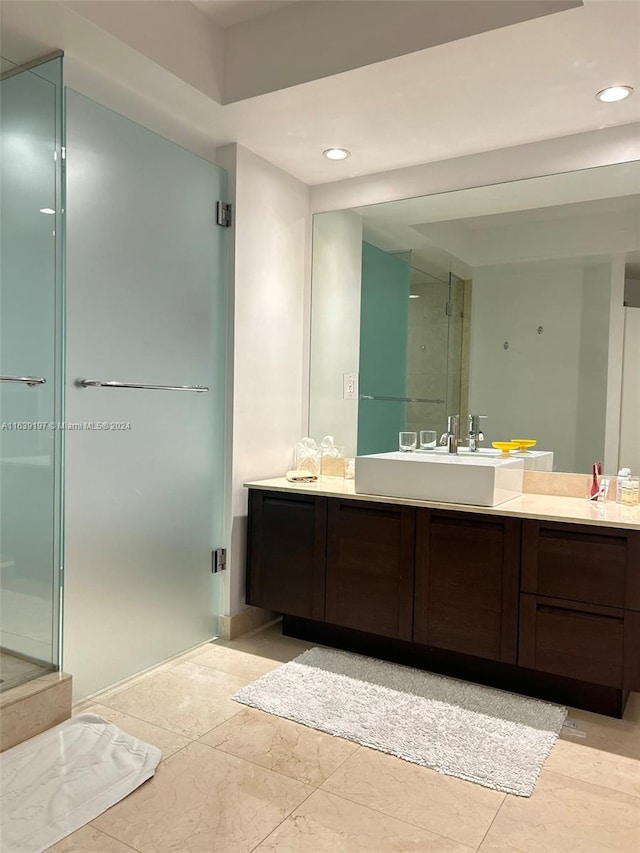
pixel 457 401
pixel 433 351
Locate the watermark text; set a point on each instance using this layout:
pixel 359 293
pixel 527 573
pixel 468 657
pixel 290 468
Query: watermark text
pixel 67 426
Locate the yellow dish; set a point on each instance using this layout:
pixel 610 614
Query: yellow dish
pixel 504 446
pixel 524 443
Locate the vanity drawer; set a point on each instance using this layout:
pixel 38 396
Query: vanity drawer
pixel 580 563
pixel 580 641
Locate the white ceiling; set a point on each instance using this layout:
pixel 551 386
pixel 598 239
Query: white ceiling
pixel 226 13
pixel 533 198
pixel 560 216
pixel 531 81
pixel 522 83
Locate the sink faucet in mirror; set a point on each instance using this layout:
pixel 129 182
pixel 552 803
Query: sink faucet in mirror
pixel 475 433
pixel 452 436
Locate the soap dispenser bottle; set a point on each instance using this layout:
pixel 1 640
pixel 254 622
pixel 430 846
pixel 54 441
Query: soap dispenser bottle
pixel 623 474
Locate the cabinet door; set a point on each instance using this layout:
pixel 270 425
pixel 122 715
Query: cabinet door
pixel 370 553
pixel 467 569
pixel 286 552
pixel 582 641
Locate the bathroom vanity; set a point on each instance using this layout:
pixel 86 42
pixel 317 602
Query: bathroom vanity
pixel 540 595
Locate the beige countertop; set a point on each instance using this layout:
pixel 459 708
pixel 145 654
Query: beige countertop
pixel 544 507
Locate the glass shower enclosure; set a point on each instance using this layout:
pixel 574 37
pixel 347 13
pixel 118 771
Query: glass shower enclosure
pixel 31 367
pixel 412 372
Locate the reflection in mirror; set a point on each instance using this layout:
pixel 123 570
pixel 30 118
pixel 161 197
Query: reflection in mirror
pixel 519 301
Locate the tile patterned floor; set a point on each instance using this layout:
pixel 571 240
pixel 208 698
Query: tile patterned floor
pixel 234 780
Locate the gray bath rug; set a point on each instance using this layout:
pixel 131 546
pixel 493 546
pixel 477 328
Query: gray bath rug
pixel 497 739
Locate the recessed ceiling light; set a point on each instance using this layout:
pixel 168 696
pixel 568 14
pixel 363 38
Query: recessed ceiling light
pixel 336 153
pixel 47 210
pixel 614 93
pixel 414 296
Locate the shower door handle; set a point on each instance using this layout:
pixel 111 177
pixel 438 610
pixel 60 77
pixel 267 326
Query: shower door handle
pixel 31 381
pixel 97 383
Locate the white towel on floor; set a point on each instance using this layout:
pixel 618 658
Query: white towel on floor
pixel 60 780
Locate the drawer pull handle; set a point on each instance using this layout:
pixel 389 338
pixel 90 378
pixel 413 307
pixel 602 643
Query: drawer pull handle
pixel 578 614
pixel 588 539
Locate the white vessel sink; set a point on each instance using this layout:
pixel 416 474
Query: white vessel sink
pixel 481 480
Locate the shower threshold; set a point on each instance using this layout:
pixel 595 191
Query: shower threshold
pixel 16 669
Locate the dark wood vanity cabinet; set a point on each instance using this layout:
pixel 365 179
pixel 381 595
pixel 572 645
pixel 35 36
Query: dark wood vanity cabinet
pixel 370 552
pixel 286 553
pixel 443 579
pixel 546 608
pixel 467 583
pixel 580 602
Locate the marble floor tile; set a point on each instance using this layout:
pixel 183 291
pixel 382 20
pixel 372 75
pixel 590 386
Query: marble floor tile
pixel 326 823
pixel 234 661
pixel 187 699
pixel 607 769
pixel 565 816
pixel 167 741
pixel 203 801
pixel 195 651
pixel 102 696
pixel 281 745
pixel 269 643
pixel 607 733
pixel 606 753
pixel 459 810
pixel 89 840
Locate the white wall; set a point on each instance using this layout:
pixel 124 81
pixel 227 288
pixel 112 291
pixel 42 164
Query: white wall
pixel 270 316
pixel 571 365
pixel 632 292
pixel 630 410
pixel 505 384
pixel 614 365
pixel 335 342
pixel 600 298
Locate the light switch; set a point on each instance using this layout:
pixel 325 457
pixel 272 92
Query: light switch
pixel 350 386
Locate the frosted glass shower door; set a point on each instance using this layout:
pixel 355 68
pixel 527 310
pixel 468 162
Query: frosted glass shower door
pixel 30 348
pixel 144 478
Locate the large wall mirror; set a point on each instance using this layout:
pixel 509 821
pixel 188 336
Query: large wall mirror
pixel 519 301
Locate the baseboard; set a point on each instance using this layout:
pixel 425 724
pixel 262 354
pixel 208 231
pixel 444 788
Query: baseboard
pixel 247 620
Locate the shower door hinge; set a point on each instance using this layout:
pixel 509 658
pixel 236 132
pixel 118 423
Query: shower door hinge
pixel 218 560
pixel 448 309
pixel 223 214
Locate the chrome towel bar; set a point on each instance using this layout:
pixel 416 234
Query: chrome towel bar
pixel 31 381
pixel 97 383
pixel 400 399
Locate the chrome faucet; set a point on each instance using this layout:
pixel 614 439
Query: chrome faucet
pixel 452 436
pixel 475 433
